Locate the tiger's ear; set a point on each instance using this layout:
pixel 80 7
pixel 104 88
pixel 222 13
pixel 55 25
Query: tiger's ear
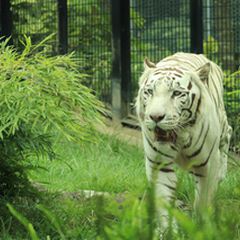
pixel 148 64
pixel 203 72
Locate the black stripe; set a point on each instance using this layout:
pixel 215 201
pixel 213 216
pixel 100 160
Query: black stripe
pixel 189 86
pixel 174 148
pixel 196 174
pixel 170 187
pixel 188 144
pixel 158 163
pixel 223 129
pixel 196 111
pixel 155 149
pixel 177 75
pixel 193 97
pixel 204 163
pixel 194 154
pixel 162 169
pixel 198 105
pixel 187 110
pixel 166 170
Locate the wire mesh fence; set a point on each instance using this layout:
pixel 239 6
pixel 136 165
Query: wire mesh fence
pixel 89 36
pixel 36 19
pixel 222 45
pixel 157 29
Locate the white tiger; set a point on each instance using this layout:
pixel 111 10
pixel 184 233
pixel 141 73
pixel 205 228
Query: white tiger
pixel 181 111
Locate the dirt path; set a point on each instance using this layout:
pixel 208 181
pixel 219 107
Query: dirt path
pixel 129 135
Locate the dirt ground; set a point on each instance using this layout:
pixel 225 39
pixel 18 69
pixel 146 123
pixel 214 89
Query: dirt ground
pixel 127 134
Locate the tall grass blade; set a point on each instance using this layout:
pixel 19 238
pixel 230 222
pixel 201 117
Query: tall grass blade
pixel 151 211
pixel 55 221
pixel 24 221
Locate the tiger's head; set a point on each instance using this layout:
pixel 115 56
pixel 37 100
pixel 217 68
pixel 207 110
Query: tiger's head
pixel 169 98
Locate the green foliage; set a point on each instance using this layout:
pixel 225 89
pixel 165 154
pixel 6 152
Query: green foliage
pixel 232 93
pixel 91 167
pixel 133 223
pixel 40 97
pixel 211 49
pixel 37 18
pixel 231 90
pixel 154 39
pixel 175 38
pixel 88 37
pixel 232 100
pixel 24 221
pixel 128 214
pixel 210 46
pixel 54 220
pixel 93 38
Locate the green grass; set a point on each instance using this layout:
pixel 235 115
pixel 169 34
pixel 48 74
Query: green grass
pixel 109 165
pixel 115 167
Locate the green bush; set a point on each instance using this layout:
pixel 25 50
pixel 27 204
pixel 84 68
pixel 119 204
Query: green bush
pixel 40 97
pixel 232 100
pixel 89 38
pixel 211 49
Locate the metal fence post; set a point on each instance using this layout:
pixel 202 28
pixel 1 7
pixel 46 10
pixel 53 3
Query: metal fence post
pixel 6 19
pixel 62 27
pixel 196 23
pixel 120 12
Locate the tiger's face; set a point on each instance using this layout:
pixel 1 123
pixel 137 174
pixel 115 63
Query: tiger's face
pixel 167 102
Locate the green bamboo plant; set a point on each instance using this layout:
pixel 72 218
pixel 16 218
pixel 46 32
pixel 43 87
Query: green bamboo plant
pixel 40 97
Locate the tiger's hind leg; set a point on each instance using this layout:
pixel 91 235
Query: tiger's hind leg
pixel 224 147
pixel 210 174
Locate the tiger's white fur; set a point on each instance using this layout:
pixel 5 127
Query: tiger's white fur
pixel 181 111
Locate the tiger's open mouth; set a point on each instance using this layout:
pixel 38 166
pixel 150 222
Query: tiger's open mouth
pixel 161 135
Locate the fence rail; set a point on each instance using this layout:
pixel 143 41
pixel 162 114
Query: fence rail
pixel 111 38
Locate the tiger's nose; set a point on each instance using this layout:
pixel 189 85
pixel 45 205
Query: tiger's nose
pixel 157 118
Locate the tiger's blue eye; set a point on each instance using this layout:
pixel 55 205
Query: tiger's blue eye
pixel 177 93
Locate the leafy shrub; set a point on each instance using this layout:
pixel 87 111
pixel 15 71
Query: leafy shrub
pixel 232 100
pixel 40 97
pixel 211 49
pixel 89 38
